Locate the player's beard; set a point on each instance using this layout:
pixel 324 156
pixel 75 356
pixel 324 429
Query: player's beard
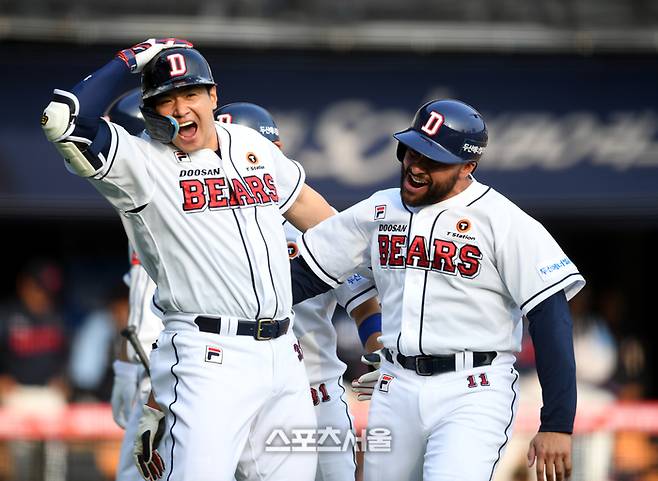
pixel 434 193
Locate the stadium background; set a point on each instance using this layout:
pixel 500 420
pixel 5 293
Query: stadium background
pixel 568 88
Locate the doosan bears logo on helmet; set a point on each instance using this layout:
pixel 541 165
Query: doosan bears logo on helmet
pixel 474 149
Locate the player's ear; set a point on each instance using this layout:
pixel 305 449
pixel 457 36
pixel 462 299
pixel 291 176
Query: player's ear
pixel 212 92
pixel 469 167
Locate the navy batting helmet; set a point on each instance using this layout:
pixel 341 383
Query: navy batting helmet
pixel 171 69
pixel 126 112
pixel 446 131
pixel 250 115
pixel 175 68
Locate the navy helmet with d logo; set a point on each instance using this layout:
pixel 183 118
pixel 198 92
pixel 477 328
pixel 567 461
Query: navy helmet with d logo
pixel 446 131
pixel 171 69
pixel 175 68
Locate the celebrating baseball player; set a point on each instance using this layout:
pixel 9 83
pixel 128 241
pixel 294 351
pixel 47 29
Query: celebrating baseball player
pixel 456 265
pixel 313 325
pixel 202 204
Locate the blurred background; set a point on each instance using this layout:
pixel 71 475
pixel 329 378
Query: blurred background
pixel 568 90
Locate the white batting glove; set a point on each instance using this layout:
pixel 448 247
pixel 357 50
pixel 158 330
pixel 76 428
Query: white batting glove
pixel 124 390
pixel 137 56
pixel 365 385
pixel 149 433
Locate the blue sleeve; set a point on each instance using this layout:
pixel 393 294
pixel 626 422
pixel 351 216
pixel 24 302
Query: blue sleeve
pixel 95 94
pixel 305 284
pixel 551 329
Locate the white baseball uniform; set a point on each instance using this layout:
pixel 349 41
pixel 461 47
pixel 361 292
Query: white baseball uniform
pixel 208 232
pixel 325 370
pixel 454 278
pixel 148 327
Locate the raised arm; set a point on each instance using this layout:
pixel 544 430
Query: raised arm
pixel 309 209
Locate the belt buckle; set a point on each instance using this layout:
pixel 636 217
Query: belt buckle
pixel 417 366
pixel 259 328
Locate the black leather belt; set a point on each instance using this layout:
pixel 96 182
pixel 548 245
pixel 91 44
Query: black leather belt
pixel 430 365
pixel 261 330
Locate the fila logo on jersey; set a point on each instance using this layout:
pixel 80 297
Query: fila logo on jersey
pixel 182 156
pixel 293 250
pixel 441 256
pixel 214 354
pixel 213 193
pixel 463 225
pixel 380 212
pixel 385 381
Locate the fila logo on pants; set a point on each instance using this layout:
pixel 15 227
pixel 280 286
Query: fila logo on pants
pixel 214 354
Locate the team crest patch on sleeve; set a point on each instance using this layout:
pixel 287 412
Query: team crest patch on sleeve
pixel 385 382
pixel 549 270
pixel 380 212
pixel 182 156
pixel 214 354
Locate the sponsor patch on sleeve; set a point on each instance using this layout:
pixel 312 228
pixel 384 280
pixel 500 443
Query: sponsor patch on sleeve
pixel 550 270
pixel 353 281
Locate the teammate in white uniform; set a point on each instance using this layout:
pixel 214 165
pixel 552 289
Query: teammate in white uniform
pixel 202 204
pixel 314 329
pixel 456 265
pixel 131 383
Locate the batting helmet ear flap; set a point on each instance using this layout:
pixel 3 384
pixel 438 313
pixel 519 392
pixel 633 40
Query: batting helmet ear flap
pixel 158 127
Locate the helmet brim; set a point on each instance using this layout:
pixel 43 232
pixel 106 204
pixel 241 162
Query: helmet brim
pixel 427 147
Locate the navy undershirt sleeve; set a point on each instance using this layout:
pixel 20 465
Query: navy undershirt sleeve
pixel 96 92
pixel 551 329
pixel 305 284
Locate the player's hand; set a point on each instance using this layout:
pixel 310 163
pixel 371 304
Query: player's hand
pixel 137 56
pixel 365 385
pixel 149 433
pixel 124 390
pixel 553 455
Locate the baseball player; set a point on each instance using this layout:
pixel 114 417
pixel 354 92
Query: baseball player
pixel 456 265
pixel 314 330
pixel 132 385
pixel 202 204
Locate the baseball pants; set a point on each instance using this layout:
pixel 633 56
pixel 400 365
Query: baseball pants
pixel 224 397
pixel 334 414
pixel 446 427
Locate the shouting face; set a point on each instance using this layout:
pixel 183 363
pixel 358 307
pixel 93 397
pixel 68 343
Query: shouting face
pixel 192 107
pixel 424 181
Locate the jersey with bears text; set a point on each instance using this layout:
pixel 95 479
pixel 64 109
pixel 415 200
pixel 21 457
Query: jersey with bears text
pixel 452 276
pixel 206 228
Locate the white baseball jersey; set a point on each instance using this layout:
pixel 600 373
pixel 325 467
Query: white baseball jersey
pixel 140 314
pixel 313 325
pixel 453 276
pixel 178 208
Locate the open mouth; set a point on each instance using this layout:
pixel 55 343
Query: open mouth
pixel 187 130
pixel 416 181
